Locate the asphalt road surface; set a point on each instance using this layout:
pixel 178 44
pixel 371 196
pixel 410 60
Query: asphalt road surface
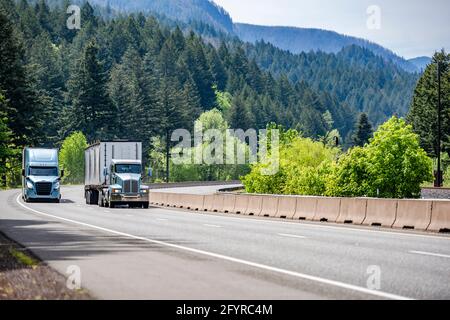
pixel 169 254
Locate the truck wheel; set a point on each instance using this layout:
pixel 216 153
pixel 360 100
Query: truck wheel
pixel 94 199
pixel 88 197
pixel 111 205
pixel 101 200
pixel 145 205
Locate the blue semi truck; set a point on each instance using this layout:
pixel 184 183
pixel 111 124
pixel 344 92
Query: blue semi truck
pixel 41 175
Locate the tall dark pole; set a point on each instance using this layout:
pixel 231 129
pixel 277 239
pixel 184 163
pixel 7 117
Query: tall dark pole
pixel 167 156
pixel 439 176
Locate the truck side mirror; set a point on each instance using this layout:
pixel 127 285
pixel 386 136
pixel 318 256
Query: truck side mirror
pixel 23 172
pixel 62 173
pixel 105 171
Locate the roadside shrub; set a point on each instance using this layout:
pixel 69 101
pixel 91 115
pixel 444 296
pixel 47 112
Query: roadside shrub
pixel 304 169
pixel 392 165
pixel 71 158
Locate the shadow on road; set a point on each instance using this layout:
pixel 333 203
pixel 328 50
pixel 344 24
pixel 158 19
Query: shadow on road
pixel 60 241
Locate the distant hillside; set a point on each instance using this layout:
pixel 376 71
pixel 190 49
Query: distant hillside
pixel 293 39
pixel 184 10
pixel 298 40
pixel 420 62
pixel 355 76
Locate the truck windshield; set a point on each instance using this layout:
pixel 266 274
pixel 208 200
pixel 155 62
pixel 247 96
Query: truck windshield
pixel 43 171
pixel 128 168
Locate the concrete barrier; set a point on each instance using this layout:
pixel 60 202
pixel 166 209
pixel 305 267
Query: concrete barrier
pixel 381 212
pixel 269 206
pixel 413 214
pixel 305 208
pixel 241 204
pixel 208 203
pixel 217 205
pixel 353 210
pixel 254 205
pixel 229 202
pixel 327 209
pixel 286 207
pixel 440 216
pixel 155 198
pixel 196 202
pixel 182 201
pixel 162 199
pixel 171 200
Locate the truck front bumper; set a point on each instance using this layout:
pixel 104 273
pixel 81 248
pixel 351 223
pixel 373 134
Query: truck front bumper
pixel 118 198
pixel 30 194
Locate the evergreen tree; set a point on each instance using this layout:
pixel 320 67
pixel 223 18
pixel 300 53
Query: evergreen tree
pixel 132 90
pixel 46 64
pixel 5 139
pixel 23 110
pixel 91 110
pixel 364 131
pixel 239 114
pixel 423 114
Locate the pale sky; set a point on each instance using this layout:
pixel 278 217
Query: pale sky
pixel 410 28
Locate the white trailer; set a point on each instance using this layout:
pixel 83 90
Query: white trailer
pixel 113 172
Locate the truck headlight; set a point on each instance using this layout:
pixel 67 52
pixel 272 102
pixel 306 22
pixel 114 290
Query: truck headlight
pixel 57 185
pixel 29 185
pixel 116 190
pixel 144 190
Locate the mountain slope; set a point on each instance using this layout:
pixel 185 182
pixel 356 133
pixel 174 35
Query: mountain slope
pixel 420 62
pixel 299 40
pixel 293 39
pixel 184 10
pixel 355 76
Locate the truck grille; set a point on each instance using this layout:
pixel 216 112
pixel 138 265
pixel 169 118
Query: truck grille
pixel 43 188
pixel 130 186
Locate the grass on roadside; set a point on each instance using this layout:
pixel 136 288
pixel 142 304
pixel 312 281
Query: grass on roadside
pixel 23 258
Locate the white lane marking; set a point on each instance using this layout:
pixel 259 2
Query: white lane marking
pixel 160 219
pixel 291 235
pixel 212 226
pixel 227 258
pixel 129 215
pixel 301 224
pixel 107 211
pixel 431 254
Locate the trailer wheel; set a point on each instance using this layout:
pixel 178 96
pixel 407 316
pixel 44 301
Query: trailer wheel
pixel 87 195
pixel 145 205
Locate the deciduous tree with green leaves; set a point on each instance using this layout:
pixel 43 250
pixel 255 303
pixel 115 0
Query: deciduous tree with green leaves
pixel 71 157
pixel 392 165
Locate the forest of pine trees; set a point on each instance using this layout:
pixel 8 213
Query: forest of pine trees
pixel 133 77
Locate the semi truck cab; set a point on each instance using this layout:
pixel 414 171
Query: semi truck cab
pixel 41 175
pixel 125 185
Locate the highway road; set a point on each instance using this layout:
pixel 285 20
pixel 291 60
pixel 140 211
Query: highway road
pixel 171 254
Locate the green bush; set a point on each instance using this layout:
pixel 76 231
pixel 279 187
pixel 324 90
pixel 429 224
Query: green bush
pixel 392 165
pixel 71 158
pixel 304 169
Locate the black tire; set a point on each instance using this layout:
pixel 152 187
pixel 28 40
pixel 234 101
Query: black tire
pixel 145 205
pixel 87 196
pixel 112 205
pixel 94 199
